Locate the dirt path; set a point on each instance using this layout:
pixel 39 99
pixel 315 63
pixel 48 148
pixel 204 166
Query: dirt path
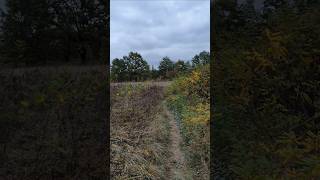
pixel 178 166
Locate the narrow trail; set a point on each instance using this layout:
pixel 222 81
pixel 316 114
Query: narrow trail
pixel 178 168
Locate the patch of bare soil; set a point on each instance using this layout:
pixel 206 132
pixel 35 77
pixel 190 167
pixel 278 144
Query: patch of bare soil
pixel 178 166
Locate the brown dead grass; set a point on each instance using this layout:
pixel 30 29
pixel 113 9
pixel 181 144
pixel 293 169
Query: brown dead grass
pixel 139 134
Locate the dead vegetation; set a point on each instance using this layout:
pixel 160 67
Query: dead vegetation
pixel 139 133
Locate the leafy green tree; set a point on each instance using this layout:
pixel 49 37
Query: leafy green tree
pixel 180 67
pixel 166 67
pixel 138 68
pixel 201 59
pixel 130 68
pixel 119 70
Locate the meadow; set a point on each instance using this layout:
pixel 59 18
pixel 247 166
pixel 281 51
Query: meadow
pixel 160 130
pixel 139 134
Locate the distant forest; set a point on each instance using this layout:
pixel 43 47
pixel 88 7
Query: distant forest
pixel 135 68
pixel 51 32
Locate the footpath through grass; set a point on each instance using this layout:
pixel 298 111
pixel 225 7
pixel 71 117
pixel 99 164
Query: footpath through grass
pixel 188 99
pixel 139 132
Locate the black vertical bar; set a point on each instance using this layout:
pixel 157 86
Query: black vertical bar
pixel 107 49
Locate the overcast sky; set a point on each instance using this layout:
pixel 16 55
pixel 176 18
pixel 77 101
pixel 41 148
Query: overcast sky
pixel 175 28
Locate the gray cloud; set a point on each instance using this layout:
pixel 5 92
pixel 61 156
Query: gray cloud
pixel 175 28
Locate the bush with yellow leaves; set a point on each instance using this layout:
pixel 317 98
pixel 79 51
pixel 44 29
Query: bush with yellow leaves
pixel 188 97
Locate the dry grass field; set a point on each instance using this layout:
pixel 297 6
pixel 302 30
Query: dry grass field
pixel 146 139
pixel 139 136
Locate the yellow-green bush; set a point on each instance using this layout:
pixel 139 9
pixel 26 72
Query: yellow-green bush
pixel 188 97
pixel 194 84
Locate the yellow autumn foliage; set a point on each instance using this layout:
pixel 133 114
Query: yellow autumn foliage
pixel 195 84
pixel 189 97
pixel 202 114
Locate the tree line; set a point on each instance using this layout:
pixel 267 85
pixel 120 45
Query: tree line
pixel 135 68
pixel 37 32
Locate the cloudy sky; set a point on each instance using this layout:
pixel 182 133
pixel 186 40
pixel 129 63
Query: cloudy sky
pixel 175 28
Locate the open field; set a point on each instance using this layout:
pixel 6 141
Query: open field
pixel 146 138
pixel 139 139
